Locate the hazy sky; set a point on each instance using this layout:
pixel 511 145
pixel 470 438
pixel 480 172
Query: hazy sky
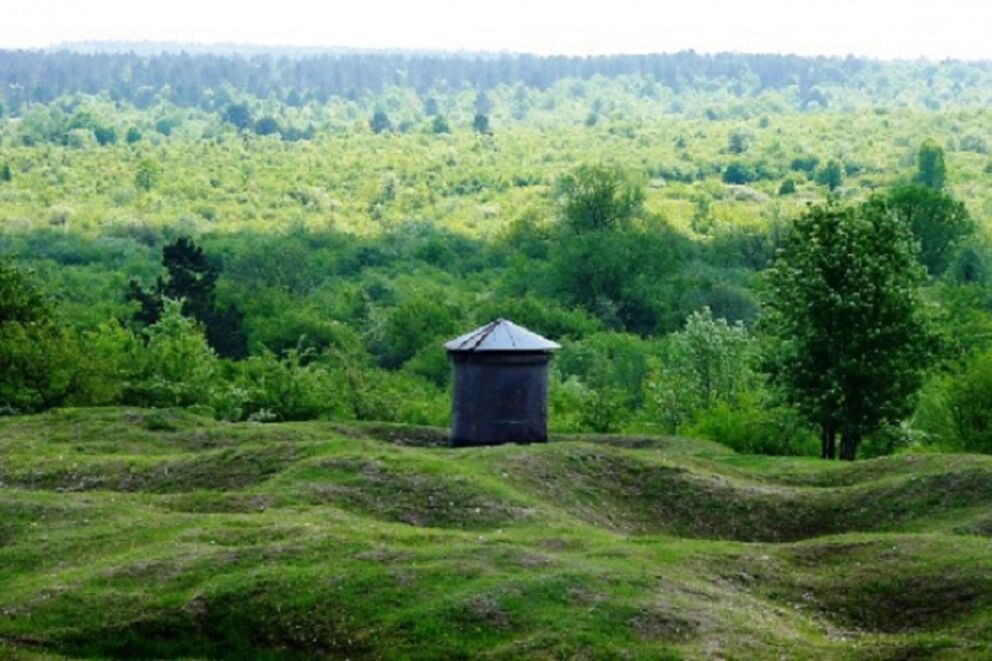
pixel 880 28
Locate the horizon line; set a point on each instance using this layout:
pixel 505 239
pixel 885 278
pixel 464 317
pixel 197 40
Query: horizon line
pixel 162 47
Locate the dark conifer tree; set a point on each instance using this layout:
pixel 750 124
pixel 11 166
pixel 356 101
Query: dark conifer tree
pixel 191 278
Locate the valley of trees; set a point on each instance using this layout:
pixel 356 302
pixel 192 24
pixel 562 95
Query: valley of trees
pixel 785 255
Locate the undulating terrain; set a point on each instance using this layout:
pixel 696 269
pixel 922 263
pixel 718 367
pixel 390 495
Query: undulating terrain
pixel 160 534
pixel 225 284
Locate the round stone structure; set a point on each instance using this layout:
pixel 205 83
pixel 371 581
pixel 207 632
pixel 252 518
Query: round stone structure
pixel 500 385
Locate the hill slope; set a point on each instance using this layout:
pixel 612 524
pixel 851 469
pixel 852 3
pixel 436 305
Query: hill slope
pixel 160 534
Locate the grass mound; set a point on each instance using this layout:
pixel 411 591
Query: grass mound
pixel 159 534
pixel 264 621
pixel 843 474
pixel 430 497
pixel 230 468
pixel 896 584
pixel 640 494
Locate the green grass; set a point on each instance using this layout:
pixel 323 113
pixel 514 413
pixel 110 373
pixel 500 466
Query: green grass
pixel 160 534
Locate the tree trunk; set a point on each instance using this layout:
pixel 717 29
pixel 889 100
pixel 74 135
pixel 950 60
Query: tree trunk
pixel 849 445
pixel 828 442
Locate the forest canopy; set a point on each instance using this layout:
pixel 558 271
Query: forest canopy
pixel 290 235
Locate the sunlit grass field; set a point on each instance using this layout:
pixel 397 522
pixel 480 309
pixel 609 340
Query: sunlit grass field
pixel 160 534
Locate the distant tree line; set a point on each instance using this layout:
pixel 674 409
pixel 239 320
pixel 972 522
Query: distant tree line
pixel 202 80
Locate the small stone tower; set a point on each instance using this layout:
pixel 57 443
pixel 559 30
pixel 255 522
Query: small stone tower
pixel 500 386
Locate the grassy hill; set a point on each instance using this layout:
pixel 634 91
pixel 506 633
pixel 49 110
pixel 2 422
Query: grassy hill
pixel 162 534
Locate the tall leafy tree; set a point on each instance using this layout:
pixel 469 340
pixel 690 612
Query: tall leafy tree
pixel 147 174
pixel 831 175
pixel 267 126
pixel 20 299
pixel 738 142
pixel 709 362
pixel 483 106
pixel 481 123
pixel 417 323
pixel 739 172
pixel 440 125
pixel 595 197
pixel 604 261
pixel 849 340
pixel 931 170
pixel 105 135
pixel 380 122
pixel 937 220
pixel 36 355
pixel 238 114
pixel 714 357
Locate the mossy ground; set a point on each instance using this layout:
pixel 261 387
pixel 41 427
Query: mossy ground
pixel 159 534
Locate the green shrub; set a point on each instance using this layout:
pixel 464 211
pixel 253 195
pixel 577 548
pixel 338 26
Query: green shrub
pixel 37 356
pixel 266 387
pixel 708 364
pixel 431 363
pixel 177 367
pixel 932 424
pixel 608 362
pixel 969 398
pixel 602 409
pixel 739 173
pixel 110 359
pixel 565 400
pixel 398 333
pixel 751 428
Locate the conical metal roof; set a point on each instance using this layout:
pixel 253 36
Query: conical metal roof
pixel 501 335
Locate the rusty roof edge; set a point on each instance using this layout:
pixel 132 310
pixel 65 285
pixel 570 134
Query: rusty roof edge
pixel 486 332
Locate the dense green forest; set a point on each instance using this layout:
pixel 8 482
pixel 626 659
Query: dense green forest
pixel 771 252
